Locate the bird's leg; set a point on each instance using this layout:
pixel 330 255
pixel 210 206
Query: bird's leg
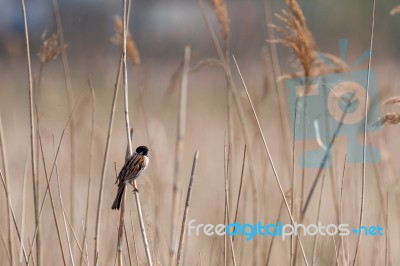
pixel 135 189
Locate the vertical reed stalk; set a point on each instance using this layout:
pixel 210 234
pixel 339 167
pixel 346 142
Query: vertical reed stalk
pixel 32 135
pixel 269 156
pixel 14 220
pixel 47 188
pixel 6 176
pixel 69 92
pixel 90 167
pixel 125 82
pixel 186 211
pixel 21 250
pixel 51 200
pixel 365 131
pixel 134 239
pixel 227 209
pixel 126 110
pixel 179 153
pixel 105 161
pixel 239 106
pixel 279 89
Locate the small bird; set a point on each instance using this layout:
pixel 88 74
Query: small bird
pixel 131 170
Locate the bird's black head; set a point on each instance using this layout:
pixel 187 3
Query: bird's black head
pixel 142 150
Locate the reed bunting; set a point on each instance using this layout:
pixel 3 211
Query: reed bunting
pixel 132 169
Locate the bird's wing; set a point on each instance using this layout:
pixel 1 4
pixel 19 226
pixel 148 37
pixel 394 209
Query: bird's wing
pixel 132 168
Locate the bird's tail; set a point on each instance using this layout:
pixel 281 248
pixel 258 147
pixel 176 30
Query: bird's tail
pixel 118 198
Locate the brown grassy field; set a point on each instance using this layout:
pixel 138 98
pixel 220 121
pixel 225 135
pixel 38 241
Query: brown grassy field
pixel 212 80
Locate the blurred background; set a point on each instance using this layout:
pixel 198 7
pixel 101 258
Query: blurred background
pixel 161 30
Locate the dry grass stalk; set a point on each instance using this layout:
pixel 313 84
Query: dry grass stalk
pixel 314 256
pixel 52 201
pixel 341 210
pixel 278 86
pixel 143 230
pixel 32 132
pixel 131 48
pixel 236 99
pixel 267 74
pixel 363 181
pixel 278 218
pixel 121 226
pixel 127 246
pixel 105 161
pixel 176 78
pixel 69 92
pixel 180 141
pixel 221 12
pixel 35 234
pixel 388 260
pixel 23 209
pixel 126 10
pixel 269 156
pixel 207 62
pixel 6 177
pixel 14 220
pixel 134 240
pixel 186 211
pixel 51 48
pixel 90 167
pixel 227 159
pixel 299 39
pixel 62 207
pixel 75 238
pixel 391 119
pixel 240 185
pixel 3 240
pixel 129 136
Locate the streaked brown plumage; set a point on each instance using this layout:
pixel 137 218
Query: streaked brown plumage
pixel 131 170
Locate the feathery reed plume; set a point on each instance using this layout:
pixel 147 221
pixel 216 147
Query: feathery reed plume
pixel 117 39
pixel 221 12
pixel 297 36
pixel 394 117
pixel 391 118
pixel 51 48
pixel 339 65
pixel 393 100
